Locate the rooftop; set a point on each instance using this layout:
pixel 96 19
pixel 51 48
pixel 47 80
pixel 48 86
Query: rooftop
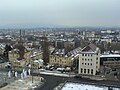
pixel 90 48
pixel 110 55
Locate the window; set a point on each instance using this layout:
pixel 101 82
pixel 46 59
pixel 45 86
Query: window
pixel 88 71
pixel 91 71
pixel 82 54
pixel 82 63
pixel 91 59
pixel 96 66
pixel 84 70
pixel 97 58
pixel 97 53
pixel 91 64
pixel 85 59
pixel 82 58
pixel 88 54
pixel 88 59
pixel 96 62
pixel 91 55
pixel 81 70
pixel 88 63
pixel 85 54
pixel 85 63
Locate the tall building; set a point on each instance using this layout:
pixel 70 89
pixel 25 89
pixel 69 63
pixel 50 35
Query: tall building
pixel 89 60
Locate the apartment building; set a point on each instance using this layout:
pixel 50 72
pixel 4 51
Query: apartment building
pixel 61 60
pixel 13 55
pixel 110 60
pixel 89 60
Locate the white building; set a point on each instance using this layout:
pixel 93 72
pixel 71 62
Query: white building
pixel 89 60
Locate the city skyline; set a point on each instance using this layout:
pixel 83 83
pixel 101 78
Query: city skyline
pixel 37 13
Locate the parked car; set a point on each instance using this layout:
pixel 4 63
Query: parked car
pixel 8 65
pixel 48 67
pixel 67 69
pixel 77 76
pixel 1 61
pixel 61 70
pixel 52 68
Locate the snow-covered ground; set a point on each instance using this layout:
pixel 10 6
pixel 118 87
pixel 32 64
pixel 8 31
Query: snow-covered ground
pixel 24 84
pixel 77 86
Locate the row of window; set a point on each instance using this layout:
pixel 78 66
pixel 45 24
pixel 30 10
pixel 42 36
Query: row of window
pixel 17 63
pixel 57 57
pixel 54 61
pixel 88 63
pixel 88 59
pixel 112 63
pixel 86 71
pixel 88 54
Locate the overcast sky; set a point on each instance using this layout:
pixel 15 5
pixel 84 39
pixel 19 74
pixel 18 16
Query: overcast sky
pixel 60 12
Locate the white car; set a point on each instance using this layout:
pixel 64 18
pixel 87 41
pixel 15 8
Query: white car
pixel 8 65
pixel 60 69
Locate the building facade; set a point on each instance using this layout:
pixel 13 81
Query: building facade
pixel 89 60
pixel 110 60
pixel 13 55
pixel 60 60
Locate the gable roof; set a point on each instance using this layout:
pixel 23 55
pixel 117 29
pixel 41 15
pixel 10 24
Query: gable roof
pixel 91 48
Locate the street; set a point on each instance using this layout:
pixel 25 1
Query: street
pixel 52 81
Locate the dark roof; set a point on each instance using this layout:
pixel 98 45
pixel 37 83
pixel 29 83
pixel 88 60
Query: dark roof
pixel 90 47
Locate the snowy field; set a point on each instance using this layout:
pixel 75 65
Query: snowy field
pixel 77 86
